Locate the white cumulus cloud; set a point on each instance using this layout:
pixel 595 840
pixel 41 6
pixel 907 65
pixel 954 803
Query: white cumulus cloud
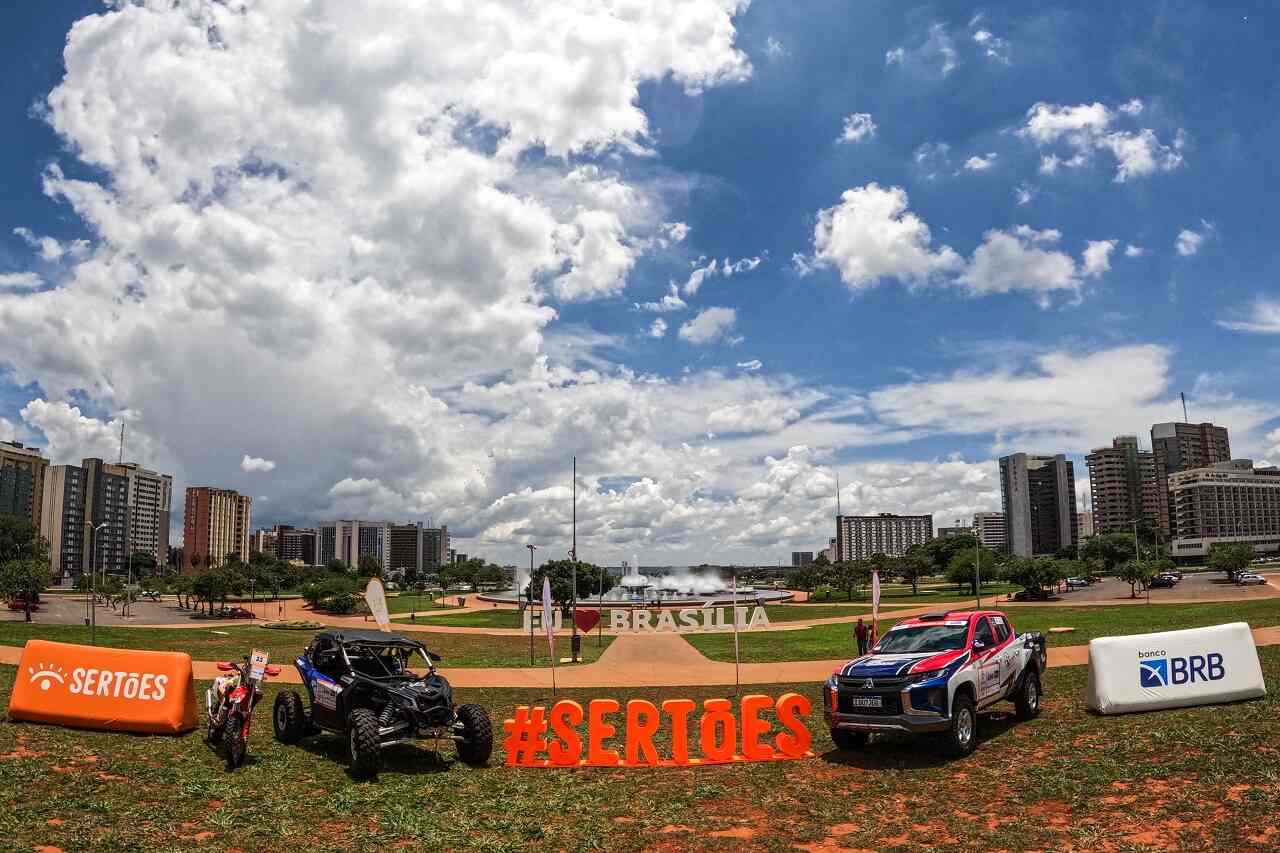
pixel 711 324
pixel 857 127
pixel 1088 128
pixel 256 464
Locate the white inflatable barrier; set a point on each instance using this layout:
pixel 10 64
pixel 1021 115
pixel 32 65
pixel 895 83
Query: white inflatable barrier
pixel 1173 669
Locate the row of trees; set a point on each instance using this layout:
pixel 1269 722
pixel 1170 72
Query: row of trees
pixel 961 560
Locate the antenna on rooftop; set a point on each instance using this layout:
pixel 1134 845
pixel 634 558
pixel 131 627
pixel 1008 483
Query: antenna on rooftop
pixel 120 461
pixel 838 513
pixel 1185 419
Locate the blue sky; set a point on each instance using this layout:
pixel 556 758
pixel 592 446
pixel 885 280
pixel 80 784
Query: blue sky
pixel 412 289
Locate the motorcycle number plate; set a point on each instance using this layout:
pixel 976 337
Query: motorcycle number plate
pixel 257 664
pixel 866 701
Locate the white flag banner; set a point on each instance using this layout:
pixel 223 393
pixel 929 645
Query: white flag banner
pixel 875 595
pixel 548 617
pixel 376 597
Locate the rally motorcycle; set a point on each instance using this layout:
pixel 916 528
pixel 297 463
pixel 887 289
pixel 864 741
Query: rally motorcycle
pixel 229 704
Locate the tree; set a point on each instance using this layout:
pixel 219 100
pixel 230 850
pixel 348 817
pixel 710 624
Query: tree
pixel 369 566
pixel 337 567
pixel 20 540
pixel 1230 557
pixel 961 570
pixel 1109 550
pixel 590 578
pixel 850 575
pixel 942 550
pixel 143 564
pixel 1033 573
pixel 1134 572
pixel 27 578
pixel 912 568
pixel 808 577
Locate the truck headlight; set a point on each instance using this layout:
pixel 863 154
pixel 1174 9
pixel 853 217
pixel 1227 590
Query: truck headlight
pixel 917 677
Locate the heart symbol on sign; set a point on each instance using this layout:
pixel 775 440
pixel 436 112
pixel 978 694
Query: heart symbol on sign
pixel 586 620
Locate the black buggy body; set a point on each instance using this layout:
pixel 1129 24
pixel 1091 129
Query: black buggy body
pixel 360 685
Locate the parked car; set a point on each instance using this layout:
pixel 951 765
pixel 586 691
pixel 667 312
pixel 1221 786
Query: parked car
pixel 1249 578
pixel 19 603
pixel 361 687
pixel 935 673
pixel 1076 583
pixel 1032 595
pixel 1161 582
pixel 236 613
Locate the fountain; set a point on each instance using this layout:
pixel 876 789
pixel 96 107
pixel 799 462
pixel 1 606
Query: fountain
pixel 676 586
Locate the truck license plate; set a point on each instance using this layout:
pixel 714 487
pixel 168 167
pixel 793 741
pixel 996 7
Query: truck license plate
pixel 865 701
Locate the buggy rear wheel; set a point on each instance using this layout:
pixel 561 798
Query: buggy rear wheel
pixel 475 743
pixel 362 743
pixel 288 717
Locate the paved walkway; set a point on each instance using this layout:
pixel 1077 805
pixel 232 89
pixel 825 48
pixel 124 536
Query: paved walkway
pixel 656 660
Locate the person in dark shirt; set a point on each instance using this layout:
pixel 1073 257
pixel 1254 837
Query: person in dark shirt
pixel 861 633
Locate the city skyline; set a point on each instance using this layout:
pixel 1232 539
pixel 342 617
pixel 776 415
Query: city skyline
pixel 768 243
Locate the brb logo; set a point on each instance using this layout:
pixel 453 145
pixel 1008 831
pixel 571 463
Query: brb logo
pixel 1157 669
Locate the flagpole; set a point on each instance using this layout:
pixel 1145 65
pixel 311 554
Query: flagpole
pixel 737 678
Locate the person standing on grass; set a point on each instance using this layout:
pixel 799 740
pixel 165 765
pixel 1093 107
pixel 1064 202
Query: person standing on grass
pixel 861 632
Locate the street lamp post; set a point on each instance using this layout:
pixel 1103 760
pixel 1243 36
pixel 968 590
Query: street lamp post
pixel 529 606
pixel 93 586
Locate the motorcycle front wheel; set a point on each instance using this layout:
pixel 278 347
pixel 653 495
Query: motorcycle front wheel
pixel 233 741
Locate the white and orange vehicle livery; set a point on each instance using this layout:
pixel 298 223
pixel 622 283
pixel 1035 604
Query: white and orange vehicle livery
pixel 934 673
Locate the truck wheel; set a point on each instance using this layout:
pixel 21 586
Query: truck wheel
pixel 847 740
pixel 288 717
pixel 477 735
pixel 362 743
pixel 233 741
pixel 962 737
pixel 1028 698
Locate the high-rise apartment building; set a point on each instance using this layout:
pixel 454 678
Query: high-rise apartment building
pixel 263 541
pixel 1085 524
pixel 1039 498
pixel 801 558
pixel 106 516
pixel 860 536
pixel 1182 447
pixel 22 471
pixel 990 528
pixel 296 545
pixel 99 514
pixel 215 525
pixel 405 548
pixel 954 531
pixel 435 547
pixel 62 520
pixel 350 540
pixel 1122 486
pixel 149 499
pixel 1225 502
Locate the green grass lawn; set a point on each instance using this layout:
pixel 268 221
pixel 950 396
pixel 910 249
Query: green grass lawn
pixel 284 646
pixel 1191 779
pixel 901 593
pixel 823 642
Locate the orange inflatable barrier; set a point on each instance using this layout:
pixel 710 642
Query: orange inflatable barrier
pixel 119 690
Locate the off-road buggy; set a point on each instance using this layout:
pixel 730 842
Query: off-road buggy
pixel 361 686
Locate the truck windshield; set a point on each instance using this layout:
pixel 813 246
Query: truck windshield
pixel 923 638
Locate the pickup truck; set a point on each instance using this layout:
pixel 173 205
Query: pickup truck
pixel 933 674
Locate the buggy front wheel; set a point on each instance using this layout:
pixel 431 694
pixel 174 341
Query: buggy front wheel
pixel 475 740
